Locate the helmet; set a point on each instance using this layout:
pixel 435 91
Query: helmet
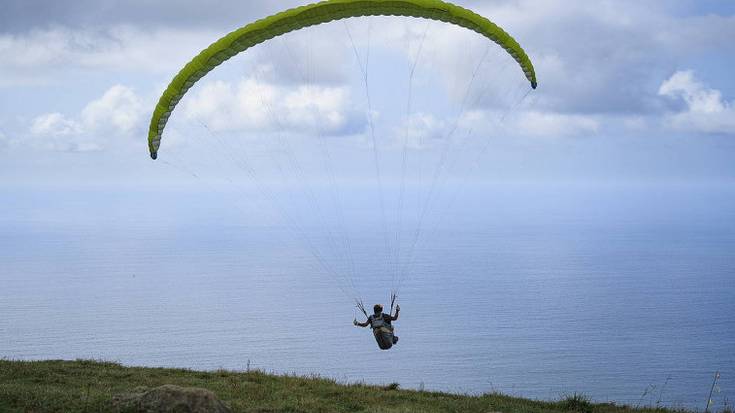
pixel 378 308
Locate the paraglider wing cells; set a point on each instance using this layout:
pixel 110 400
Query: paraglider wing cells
pixel 315 14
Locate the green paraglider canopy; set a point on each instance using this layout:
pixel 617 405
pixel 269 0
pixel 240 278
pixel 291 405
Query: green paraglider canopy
pixel 315 14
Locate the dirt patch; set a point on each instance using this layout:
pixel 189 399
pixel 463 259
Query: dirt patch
pixel 171 399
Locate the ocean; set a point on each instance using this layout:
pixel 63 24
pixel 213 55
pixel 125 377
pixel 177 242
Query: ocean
pixel 624 293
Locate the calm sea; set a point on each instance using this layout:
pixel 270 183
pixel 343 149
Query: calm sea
pixel 621 293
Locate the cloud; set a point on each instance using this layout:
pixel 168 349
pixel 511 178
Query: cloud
pixel 531 123
pixel 606 57
pixel 55 124
pixel 421 131
pixel 705 109
pixel 464 66
pixel 119 112
pixel 19 15
pixel 549 124
pixel 596 58
pixel 310 56
pixel 697 96
pixel 43 56
pixel 56 132
pixel 424 130
pixel 251 105
pixel 597 63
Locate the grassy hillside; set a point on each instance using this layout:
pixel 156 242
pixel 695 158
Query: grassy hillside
pixel 88 386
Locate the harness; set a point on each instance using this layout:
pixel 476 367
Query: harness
pixel 383 330
pixel 379 325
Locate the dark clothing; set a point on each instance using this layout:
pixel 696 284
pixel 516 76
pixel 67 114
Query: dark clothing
pixel 387 318
pixel 382 325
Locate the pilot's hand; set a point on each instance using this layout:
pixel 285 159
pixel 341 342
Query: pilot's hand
pixel 398 308
pixel 355 322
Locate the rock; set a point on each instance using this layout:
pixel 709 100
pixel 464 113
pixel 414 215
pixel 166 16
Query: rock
pixel 172 399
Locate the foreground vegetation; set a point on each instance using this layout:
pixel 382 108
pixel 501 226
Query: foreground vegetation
pixel 89 386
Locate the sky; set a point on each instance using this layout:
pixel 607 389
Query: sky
pixel 629 91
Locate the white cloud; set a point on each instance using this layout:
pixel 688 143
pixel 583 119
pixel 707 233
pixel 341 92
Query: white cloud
pixel 549 124
pixel 41 56
pixel 706 110
pixel 118 113
pixel 421 131
pixel 459 62
pixel 697 96
pixel 606 57
pixel 55 125
pixel 253 106
pixel 308 56
pixel 56 132
pixel 597 62
pixel 531 123
pixel 426 130
pixel 603 57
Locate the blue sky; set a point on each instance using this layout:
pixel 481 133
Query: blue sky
pixel 629 91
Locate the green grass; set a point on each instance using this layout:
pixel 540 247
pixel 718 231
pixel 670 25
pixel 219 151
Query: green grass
pixel 89 386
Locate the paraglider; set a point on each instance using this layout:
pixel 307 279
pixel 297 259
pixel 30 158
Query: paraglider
pixel 382 326
pixel 326 11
